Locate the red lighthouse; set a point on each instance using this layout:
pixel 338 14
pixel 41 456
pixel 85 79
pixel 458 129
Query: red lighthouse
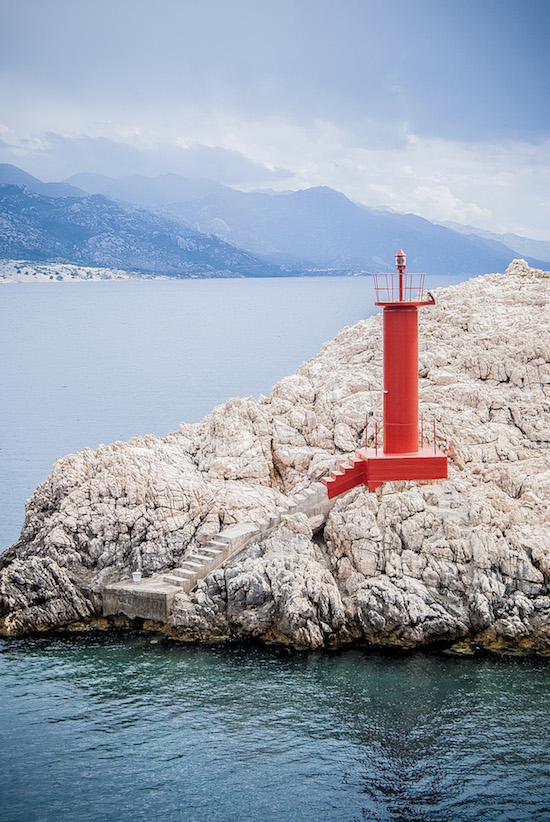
pixel 402 457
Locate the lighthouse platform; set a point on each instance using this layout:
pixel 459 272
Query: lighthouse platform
pixel 372 468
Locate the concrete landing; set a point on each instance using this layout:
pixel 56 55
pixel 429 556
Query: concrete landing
pixel 151 598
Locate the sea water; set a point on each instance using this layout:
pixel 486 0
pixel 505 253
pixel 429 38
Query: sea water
pixel 120 729
pixel 132 727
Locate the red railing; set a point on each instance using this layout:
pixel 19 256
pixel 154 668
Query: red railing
pixel 427 435
pixel 399 287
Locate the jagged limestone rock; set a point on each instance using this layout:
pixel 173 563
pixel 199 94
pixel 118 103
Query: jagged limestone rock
pixel 466 560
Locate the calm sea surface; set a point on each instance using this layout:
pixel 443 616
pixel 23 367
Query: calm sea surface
pixel 121 730
pixel 127 728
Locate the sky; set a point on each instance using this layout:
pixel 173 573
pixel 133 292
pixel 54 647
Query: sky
pixel 436 107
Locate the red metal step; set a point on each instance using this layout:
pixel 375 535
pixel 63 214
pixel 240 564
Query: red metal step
pixel 350 474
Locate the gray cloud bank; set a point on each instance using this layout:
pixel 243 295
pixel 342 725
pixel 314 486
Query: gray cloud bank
pixel 431 106
pixel 59 157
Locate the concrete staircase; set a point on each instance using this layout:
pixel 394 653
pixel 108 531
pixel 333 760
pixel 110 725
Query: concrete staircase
pixel 234 539
pixel 223 546
pixel 151 598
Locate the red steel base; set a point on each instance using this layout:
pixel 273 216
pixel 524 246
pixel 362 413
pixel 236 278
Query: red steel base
pixel 371 468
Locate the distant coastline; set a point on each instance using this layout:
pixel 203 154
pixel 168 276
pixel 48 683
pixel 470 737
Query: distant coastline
pixel 25 271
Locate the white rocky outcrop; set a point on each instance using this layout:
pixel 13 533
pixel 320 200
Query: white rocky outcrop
pixel 25 271
pixel 465 560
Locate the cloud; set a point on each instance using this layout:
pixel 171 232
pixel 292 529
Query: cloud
pixel 54 157
pixel 501 186
pixel 225 165
pixel 430 107
pixel 439 199
pixel 465 71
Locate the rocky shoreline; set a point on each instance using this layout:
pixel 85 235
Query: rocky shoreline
pixel 25 271
pixel 464 562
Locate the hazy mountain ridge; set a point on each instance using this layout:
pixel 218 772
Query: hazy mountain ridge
pixel 198 227
pixel 157 191
pixel 326 229
pixel 315 227
pixel 95 231
pixel 11 175
pixel 523 245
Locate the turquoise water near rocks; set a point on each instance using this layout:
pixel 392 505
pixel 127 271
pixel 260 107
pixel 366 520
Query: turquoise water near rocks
pixel 119 727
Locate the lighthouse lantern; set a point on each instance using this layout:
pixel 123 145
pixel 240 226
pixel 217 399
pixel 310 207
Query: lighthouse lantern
pixel 401 260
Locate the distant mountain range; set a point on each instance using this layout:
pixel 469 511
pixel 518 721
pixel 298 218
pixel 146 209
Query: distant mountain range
pixel 522 245
pixel 172 225
pixel 11 175
pixel 92 230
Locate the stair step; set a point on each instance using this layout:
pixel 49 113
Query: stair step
pixel 266 524
pixel 182 573
pixel 202 558
pixel 173 580
pixel 189 565
pixel 210 552
pixel 218 544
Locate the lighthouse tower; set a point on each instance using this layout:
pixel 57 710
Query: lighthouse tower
pixel 402 456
